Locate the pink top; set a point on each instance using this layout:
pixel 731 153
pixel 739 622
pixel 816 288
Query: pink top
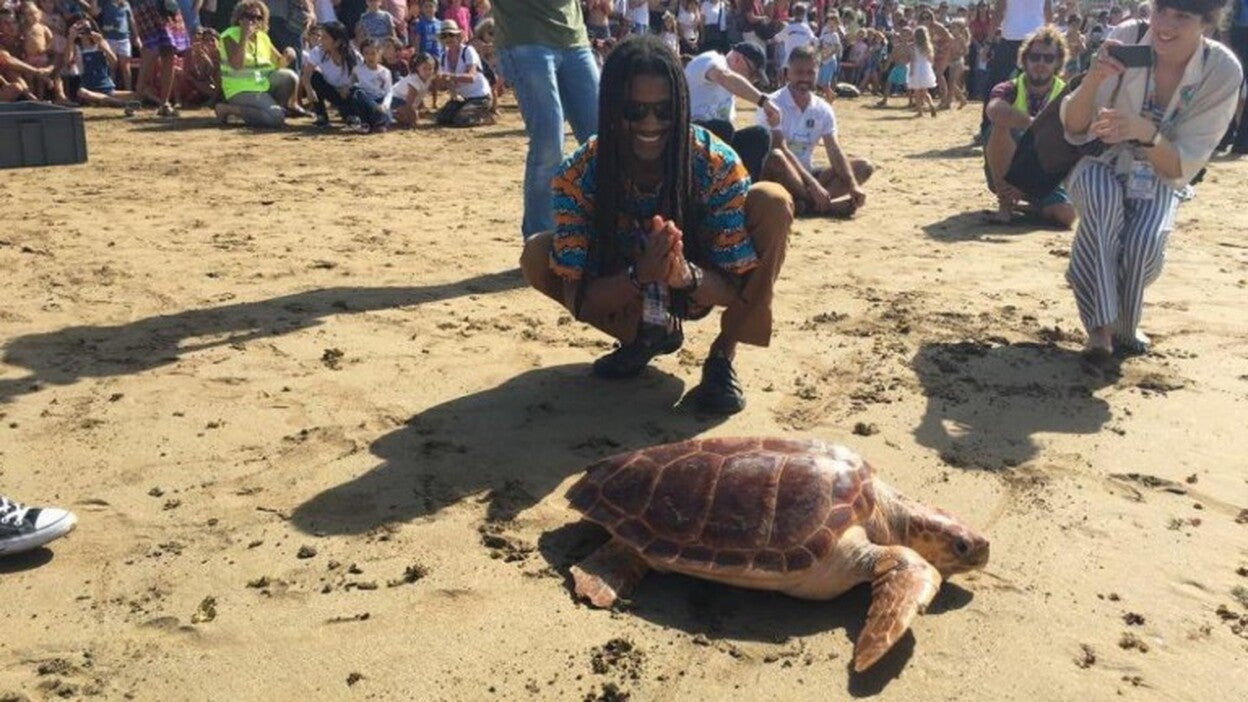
pixel 462 17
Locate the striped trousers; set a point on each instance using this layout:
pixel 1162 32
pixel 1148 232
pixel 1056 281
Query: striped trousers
pixel 1119 246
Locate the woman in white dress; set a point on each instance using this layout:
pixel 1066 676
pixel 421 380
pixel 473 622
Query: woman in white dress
pixel 921 78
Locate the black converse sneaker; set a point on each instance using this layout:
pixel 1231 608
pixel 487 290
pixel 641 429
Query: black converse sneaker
pixel 24 528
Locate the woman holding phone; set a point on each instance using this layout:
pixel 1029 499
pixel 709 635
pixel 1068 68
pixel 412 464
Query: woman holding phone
pixel 1160 123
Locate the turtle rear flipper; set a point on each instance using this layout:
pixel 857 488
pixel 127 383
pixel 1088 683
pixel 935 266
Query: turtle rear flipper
pixel 903 584
pixel 608 574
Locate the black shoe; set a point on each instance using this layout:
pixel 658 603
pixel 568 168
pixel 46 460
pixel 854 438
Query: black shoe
pixel 720 391
pixel 632 358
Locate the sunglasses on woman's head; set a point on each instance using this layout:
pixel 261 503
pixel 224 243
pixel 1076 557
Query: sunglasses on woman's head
pixel 1036 57
pixel 636 111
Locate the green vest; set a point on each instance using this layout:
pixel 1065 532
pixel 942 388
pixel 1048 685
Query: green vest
pixel 1020 92
pixel 253 77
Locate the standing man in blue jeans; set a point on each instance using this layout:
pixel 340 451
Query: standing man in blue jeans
pixel 544 54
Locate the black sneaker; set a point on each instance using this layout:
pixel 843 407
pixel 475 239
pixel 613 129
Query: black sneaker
pixel 720 391
pixel 632 358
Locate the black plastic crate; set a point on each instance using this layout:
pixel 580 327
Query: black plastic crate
pixel 38 134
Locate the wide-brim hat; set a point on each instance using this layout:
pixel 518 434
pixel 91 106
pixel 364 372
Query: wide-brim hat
pixel 449 28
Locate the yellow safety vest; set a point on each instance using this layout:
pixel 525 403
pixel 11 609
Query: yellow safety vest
pixel 1020 92
pixel 253 77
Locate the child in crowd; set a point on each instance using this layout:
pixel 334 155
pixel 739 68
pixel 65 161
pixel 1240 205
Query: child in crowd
pixel 397 9
pixel 830 48
pixel 796 33
pixel 455 10
pixel 116 21
pixel 198 82
pixel 922 77
pixel 671 33
pixel 375 24
pixel 422 30
pixel 960 46
pixel 375 81
pixel 38 50
pixel 877 55
pixel 396 57
pixel 90 52
pixel 408 95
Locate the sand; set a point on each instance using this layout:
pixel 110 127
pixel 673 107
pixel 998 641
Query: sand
pixel 318 434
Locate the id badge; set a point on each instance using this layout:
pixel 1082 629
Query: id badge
pixel 259 77
pixel 1142 183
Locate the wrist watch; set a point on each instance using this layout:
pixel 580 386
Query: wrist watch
pixel 632 277
pixel 762 99
pixel 695 278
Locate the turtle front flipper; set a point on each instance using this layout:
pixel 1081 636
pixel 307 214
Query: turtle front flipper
pixel 608 574
pixel 903 584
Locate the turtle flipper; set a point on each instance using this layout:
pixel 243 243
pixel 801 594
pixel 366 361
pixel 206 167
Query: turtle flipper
pixel 607 574
pixel 903 584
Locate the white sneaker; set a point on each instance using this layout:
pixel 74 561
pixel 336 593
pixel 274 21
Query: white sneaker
pixel 24 528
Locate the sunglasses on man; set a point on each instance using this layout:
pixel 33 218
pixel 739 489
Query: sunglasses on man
pixel 636 111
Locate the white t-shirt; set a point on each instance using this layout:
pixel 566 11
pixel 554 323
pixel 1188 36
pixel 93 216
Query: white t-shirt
pixel 796 34
pixel 708 100
pixel 1022 17
pixel 479 87
pixel 637 15
pixel 802 129
pixel 335 74
pixel 713 15
pixel 376 83
pixel 324 10
pixel 399 92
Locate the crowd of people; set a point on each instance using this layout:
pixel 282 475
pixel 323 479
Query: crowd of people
pixel 668 209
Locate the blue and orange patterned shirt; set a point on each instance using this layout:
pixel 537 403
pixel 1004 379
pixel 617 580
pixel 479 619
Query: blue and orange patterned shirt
pixel 720 184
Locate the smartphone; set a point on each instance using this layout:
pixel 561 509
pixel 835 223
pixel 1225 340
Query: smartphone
pixel 1133 55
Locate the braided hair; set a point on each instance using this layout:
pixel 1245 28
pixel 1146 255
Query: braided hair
pixel 641 55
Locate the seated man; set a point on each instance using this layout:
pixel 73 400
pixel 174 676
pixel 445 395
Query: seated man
pixel 806 119
pixel 656 222
pixel 714 79
pixel 1011 107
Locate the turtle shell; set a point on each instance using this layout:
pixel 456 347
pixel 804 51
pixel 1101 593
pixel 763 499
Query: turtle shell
pixel 775 505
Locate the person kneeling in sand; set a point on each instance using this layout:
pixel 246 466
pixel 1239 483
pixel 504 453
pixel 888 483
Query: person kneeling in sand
pixel 656 222
pixel 807 119
pixel 1012 106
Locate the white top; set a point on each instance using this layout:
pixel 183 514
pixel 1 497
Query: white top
pixel 479 87
pixel 376 83
pixel 830 45
pixel 686 21
pixel 796 34
pixel 713 14
pixel 708 100
pixel 802 129
pixel 638 15
pixel 1022 17
pixel 324 10
pixel 335 74
pixel 400 89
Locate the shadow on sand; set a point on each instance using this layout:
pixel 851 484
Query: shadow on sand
pixel 700 607
pixel 986 402
pixel 511 444
pixel 65 356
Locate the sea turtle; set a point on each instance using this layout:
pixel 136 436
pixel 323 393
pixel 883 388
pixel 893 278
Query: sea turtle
pixel 798 516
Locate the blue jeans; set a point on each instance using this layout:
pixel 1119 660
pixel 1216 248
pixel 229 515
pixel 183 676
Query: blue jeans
pixel 550 84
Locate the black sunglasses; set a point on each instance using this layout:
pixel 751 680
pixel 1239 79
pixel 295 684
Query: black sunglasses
pixel 637 111
pixel 253 18
pixel 1035 57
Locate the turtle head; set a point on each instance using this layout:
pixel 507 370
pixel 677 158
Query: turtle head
pixel 943 540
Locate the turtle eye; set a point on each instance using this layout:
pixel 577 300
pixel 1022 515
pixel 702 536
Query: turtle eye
pixel 961 548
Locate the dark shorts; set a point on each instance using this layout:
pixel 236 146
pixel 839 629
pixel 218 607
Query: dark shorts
pixel 752 144
pixel 1059 195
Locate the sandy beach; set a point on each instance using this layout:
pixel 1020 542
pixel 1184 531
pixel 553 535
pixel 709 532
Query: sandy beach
pixel 318 433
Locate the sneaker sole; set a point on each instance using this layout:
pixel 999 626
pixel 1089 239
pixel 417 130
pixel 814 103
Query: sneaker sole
pixel 46 535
